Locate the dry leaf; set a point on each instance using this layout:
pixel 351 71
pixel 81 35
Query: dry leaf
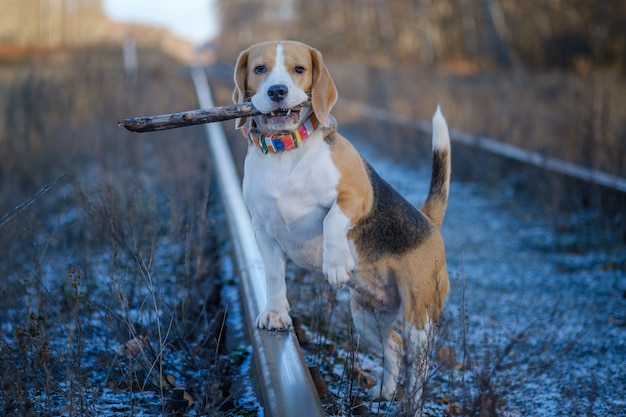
pixel 133 346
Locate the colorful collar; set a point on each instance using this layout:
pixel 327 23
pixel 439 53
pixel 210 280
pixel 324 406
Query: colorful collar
pixel 283 142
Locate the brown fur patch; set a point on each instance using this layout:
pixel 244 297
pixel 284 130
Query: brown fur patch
pixel 400 250
pixel 355 193
pixel 423 282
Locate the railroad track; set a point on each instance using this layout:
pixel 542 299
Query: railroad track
pixel 286 386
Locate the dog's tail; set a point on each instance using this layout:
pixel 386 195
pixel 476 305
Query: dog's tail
pixel 437 200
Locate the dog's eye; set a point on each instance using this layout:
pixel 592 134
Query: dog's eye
pixel 260 69
pixel 299 69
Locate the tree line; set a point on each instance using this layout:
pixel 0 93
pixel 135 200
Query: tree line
pixel 539 34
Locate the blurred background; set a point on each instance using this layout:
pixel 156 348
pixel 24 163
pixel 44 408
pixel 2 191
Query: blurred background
pixel 573 35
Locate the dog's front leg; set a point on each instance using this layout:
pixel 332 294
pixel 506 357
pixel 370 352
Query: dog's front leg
pixel 275 315
pixel 339 262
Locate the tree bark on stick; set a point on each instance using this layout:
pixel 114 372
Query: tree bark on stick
pixel 188 118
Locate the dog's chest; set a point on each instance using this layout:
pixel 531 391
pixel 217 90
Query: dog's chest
pixel 289 193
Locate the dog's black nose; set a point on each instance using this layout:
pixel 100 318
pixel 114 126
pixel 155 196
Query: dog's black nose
pixel 277 92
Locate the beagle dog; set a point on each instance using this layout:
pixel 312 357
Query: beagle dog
pixel 314 199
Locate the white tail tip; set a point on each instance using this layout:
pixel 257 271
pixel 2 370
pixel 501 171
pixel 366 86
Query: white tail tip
pixel 441 137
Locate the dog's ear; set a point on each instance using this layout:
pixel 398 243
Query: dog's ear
pixel 239 94
pixel 323 91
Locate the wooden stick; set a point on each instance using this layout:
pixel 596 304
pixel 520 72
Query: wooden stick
pixel 188 118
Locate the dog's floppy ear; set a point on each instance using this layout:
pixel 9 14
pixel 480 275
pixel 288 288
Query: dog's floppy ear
pixel 239 94
pixel 323 91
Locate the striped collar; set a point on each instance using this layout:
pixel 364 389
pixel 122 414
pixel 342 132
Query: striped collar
pixel 282 142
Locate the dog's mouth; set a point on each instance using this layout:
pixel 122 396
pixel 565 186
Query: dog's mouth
pixel 283 116
pixel 282 120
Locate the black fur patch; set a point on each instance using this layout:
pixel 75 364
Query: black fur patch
pixel 393 226
pixel 438 182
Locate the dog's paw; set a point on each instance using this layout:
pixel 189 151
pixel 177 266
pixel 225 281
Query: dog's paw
pixel 273 320
pixel 384 391
pixel 337 276
pixel 338 273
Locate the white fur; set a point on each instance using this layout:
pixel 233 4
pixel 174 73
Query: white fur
pixel 441 137
pixel 417 343
pixel 289 196
pixel 339 261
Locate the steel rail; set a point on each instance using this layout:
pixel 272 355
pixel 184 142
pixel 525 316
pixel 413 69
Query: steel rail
pixel 287 388
pixel 496 147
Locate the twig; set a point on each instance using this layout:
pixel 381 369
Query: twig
pixel 219 336
pixel 23 206
pixel 188 118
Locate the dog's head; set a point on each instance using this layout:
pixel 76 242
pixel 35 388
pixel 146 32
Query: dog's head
pixel 286 81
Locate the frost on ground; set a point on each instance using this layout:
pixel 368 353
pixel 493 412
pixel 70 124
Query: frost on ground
pixel 535 322
pixel 119 336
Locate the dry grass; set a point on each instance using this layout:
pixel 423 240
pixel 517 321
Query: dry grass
pixel 111 280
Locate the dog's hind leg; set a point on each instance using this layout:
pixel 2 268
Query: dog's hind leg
pixel 375 328
pixel 418 344
pixel 422 305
